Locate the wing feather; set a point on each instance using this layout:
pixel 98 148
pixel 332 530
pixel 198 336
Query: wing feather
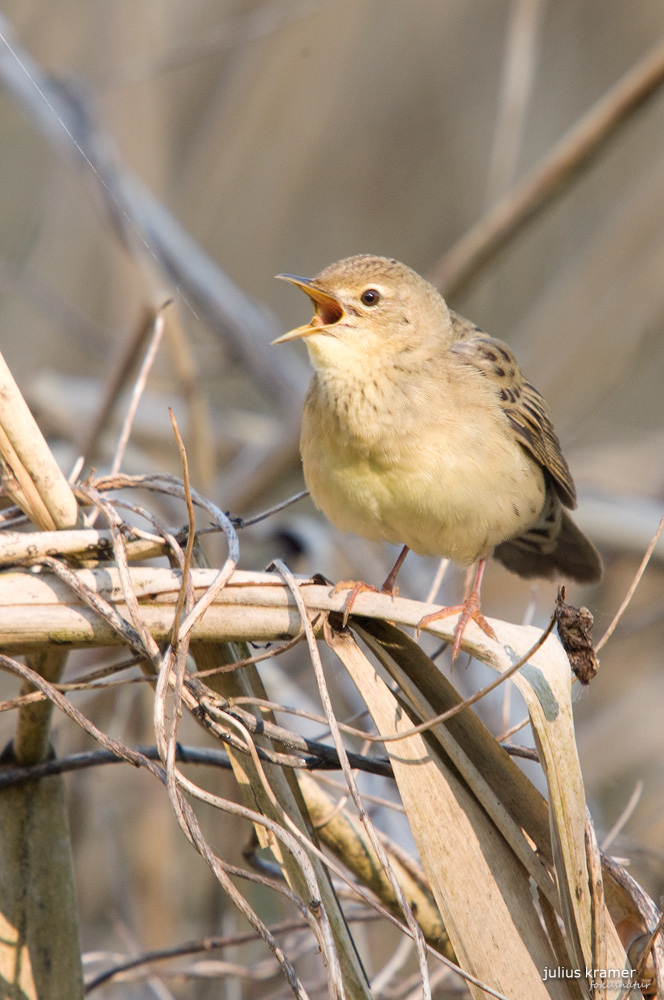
pixel 521 403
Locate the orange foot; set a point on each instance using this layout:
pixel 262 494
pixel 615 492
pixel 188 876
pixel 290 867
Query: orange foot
pixel 359 588
pixel 389 587
pixel 469 609
pixel 466 611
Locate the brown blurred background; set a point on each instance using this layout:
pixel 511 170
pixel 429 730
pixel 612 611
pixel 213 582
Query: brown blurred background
pixel 283 135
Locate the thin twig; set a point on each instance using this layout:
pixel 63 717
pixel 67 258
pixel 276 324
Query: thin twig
pixel 116 526
pixel 444 716
pixel 630 593
pixel 311 754
pixel 551 177
pixel 249 661
pixel 320 922
pixel 291 843
pixel 245 522
pixel 10 776
pixel 191 534
pixel 169 484
pixel 625 815
pixel 106 611
pixel 166 539
pixel 437 581
pixel 222 871
pixel 188 823
pixel 115 382
pixel 208 944
pixel 301 713
pixel 138 388
pixel 114 746
pixel 515 93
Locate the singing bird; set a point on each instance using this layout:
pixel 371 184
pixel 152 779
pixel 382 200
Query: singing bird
pixel 420 430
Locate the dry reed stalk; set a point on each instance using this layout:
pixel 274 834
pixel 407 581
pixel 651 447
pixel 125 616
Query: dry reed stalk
pixel 30 475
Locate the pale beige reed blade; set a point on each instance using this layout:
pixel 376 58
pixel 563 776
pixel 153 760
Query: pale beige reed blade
pixel 30 475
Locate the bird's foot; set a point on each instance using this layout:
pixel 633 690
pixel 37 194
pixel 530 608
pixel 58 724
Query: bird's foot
pixel 359 588
pixel 470 609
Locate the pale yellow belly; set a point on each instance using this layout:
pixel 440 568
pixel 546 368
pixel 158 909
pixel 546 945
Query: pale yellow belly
pixel 457 499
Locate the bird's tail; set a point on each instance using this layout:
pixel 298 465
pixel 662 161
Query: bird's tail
pixel 565 552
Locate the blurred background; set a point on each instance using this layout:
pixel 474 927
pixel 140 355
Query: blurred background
pixel 282 135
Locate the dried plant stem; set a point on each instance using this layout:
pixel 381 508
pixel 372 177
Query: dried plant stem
pixel 188 822
pixel 284 788
pixel 185 813
pixel 156 328
pixel 599 915
pixel 186 596
pixel 206 945
pixel 31 739
pixel 516 85
pixel 249 606
pixel 85 544
pixel 634 584
pixel 350 780
pixel 39 945
pixel 30 474
pixel 625 816
pixel 277 799
pixel 472 699
pixel 171 673
pixel 117 378
pixel 244 522
pixel 574 152
pixel 284 791
pixel 345 837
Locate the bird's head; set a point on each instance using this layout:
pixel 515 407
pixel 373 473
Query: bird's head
pixel 368 309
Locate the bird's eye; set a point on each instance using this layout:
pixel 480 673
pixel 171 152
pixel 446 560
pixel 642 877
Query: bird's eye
pixel 370 298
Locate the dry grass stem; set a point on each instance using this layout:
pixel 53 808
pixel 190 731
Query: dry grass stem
pixel 573 153
pixel 205 945
pixel 518 76
pixel 117 379
pixel 624 817
pixel 600 957
pixel 30 475
pixel 634 584
pixel 84 545
pixel 138 388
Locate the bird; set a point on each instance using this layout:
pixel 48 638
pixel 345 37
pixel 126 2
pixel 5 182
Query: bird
pixel 419 429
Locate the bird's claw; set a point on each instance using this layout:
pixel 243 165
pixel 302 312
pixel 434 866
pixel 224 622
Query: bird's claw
pixel 470 609
pixel 358 588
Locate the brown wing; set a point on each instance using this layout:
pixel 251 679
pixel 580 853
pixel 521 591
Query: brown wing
pixel 521 403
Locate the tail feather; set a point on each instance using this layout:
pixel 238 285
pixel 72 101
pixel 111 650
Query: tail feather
pixel 571 555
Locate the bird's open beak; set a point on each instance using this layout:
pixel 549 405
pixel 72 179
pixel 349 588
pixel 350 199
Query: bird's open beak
pixel 329 310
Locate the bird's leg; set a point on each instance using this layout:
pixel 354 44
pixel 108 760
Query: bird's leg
pixel 359 587
pixel 388 587
pixel 469 609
